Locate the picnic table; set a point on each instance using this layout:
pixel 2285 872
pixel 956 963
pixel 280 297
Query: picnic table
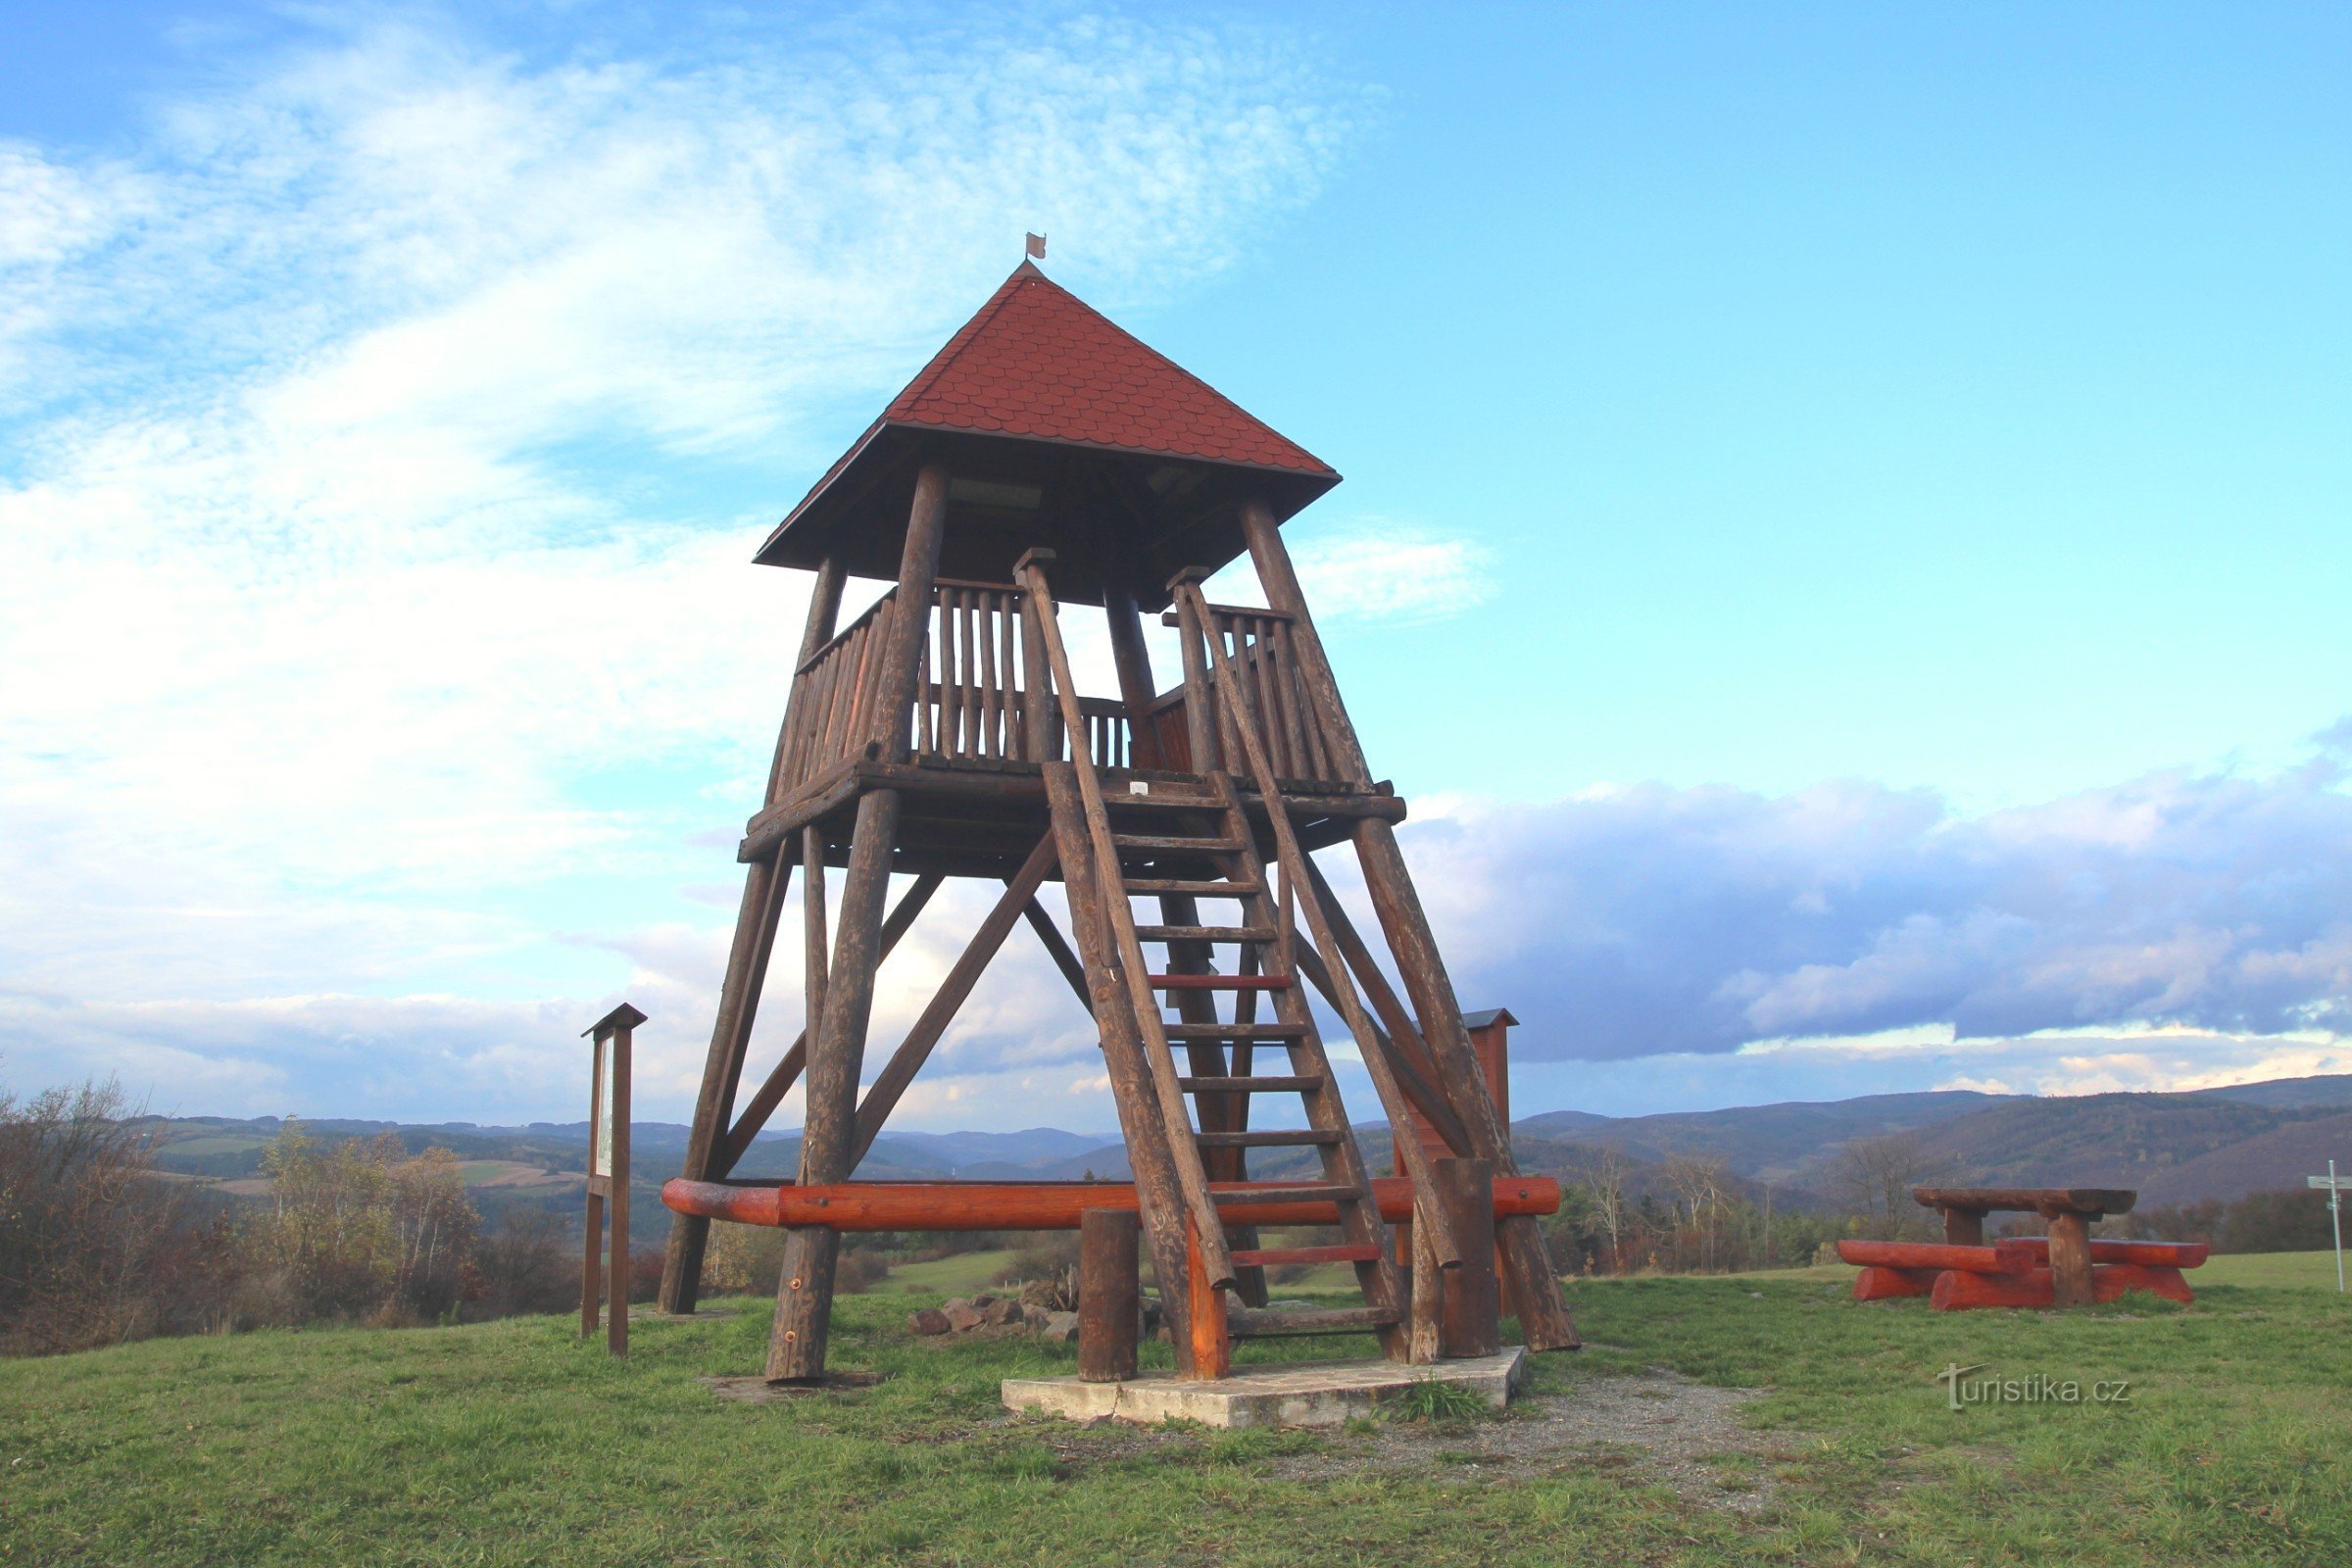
pixel 2069 1210
pixel 2067 1269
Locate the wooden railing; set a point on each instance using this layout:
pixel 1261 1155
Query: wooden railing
pixel 971 696
pixel 831 713
pixel 1256 648
pixel 972 692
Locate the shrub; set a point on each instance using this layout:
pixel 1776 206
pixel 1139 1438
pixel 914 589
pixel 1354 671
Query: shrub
pixel 95 1248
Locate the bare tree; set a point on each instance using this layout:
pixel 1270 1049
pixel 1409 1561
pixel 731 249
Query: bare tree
pixel 1605 1179
pixel 1876 1175
pixel 1700 1184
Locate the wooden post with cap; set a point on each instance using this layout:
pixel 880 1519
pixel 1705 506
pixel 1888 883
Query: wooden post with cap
pixel 608 1172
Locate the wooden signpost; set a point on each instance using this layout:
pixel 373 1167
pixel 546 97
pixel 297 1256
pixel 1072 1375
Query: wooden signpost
pixel 2334 1187
pixel 609 1174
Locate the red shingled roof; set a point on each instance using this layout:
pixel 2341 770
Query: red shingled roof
pixel 1038 361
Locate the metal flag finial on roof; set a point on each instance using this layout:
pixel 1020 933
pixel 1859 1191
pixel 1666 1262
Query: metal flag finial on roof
pixel 1037 247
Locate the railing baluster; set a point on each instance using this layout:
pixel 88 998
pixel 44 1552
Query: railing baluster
pixel 1008 743
pixel 989 700
pixel 972 648
pixel 1286 681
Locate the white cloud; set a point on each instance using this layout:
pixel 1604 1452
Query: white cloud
pixel 1374 569
pixel 374 532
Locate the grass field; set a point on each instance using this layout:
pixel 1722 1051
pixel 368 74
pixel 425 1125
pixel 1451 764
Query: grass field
pixel 515 1442
pixel 960 1274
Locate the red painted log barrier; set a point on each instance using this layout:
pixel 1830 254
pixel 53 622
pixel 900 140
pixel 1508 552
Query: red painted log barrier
pixel 1877 1283
pixel 1957 1290
pixel 1038 1205
pixel 2023 1252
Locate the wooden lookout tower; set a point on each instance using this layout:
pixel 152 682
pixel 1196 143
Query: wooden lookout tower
pixel 1045 459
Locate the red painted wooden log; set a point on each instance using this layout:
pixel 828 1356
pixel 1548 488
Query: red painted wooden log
pixel 2034 1251
pixel 1956 1291
pixel 1931 1255
pixel 1877 1283
pixel 1034 1205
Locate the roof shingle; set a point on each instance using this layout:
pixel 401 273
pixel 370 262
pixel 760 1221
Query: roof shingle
pixel 1038 361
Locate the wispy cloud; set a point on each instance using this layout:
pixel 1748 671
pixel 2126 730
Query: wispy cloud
pixel 1375 569
pixel 386 430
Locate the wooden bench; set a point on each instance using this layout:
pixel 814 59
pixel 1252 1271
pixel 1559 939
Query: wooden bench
pixel 2067 1269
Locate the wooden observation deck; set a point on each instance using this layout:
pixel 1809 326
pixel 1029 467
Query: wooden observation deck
pixel 1047 459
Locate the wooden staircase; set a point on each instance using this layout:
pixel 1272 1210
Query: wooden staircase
pixel 1183 846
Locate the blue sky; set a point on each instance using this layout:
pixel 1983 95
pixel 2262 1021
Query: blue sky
pixel 1842 539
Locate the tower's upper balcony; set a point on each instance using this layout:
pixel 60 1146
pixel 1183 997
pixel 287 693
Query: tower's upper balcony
pixel 984 720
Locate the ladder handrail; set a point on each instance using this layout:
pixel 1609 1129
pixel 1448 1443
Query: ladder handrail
pixel 1216 1260
pixel 1429 1210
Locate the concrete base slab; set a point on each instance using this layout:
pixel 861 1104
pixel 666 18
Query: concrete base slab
pixel 1307 1394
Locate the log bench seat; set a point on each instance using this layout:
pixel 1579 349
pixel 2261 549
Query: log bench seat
pixel 2016 1272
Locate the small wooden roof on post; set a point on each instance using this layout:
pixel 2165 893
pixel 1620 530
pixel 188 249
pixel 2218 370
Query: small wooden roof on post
pixel 1061 430
pixel 621 1017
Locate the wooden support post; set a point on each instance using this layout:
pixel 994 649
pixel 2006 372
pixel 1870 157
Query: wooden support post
pixel 1535 1294
pixel 1964 1227
pixel 1109 1296
pixel 592 1262
pixel 812 930
pixel 1206 1333
pixel 910 628
pixel 1133 659
pixel 1424 1340
pixel 836 1050
pixel 617 1203
pixel 805 1287
pixel 1472 1322
pixel 2070 1259
pixel 763 886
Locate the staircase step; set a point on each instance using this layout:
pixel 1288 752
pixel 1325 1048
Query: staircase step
pixel 1277 1256
pixel 1268 1085
pixel 1156 801
pixel 1236 1031
pixel 1137 886
pixel 1279 1138
pixel 1288 1193
pixel 1220 982
pixel 1174 845
pixel 1246 1323
pixel 1205 933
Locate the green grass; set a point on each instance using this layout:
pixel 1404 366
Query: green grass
pixel 2311 1271
pixel 516 1443
pixel 959 1275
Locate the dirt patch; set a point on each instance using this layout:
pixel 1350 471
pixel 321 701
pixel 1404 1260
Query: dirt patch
pixel 1656 1429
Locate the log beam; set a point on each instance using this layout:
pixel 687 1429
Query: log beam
pixel 882 1096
